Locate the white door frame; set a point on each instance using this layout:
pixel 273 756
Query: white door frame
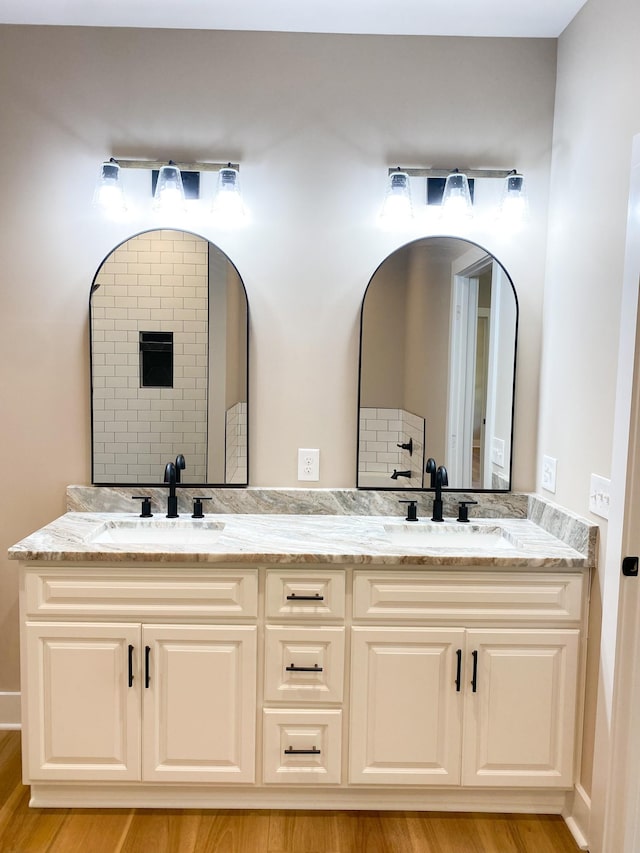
pixel 462 356
pixel 615 819
pixel 462 359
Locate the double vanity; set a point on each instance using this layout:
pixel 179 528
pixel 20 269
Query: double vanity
pixel 315 650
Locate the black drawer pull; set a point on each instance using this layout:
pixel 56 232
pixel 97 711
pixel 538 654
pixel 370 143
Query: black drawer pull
pixel 294 668
pixel 474 679
pixel 316 597
pixel 147 673
pixel 292 751
pixel 130 666
pixel 458 670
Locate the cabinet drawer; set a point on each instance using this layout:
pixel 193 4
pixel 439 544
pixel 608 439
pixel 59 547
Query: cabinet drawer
pixel 443 596
pixel 302 746
pixel 304 664
pixel 305 594
pixel 85 592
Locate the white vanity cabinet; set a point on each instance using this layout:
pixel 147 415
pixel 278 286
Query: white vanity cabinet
pixel 171 700
pixel 315 686
pixel 443 702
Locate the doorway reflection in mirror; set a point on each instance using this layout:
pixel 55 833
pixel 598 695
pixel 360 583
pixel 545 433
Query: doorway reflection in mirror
pixel 437 362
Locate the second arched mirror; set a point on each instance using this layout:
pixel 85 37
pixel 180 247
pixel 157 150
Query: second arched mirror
pixel 437 368
pixel 169 340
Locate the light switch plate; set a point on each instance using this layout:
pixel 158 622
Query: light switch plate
pixel 549 465
pixel 308 464
pixel 600 495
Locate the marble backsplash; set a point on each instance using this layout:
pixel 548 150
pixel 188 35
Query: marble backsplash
pixel 565 525
pixel 294 501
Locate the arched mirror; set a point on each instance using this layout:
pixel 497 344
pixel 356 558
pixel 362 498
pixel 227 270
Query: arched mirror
pixel 169 327
pixel 437 368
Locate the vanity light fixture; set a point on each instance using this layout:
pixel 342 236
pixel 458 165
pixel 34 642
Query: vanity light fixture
pixel 397 206
pixel 514 205
pixel 453 192
pixel 169 189
pixel 108 193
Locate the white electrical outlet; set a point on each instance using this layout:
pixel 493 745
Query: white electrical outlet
pixel 549 465
pixel 600 496
pixel 308 464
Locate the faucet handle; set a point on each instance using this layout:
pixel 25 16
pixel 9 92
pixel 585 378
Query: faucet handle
pixel 412 512
pixel 197 507
pixel 407 445
pixel 463 509
pixel 146 505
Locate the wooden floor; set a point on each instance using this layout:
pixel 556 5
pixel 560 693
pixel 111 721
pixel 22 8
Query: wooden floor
pixel 25 830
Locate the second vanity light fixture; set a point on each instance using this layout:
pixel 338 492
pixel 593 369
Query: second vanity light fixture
pixel 169 194
pixel 456 200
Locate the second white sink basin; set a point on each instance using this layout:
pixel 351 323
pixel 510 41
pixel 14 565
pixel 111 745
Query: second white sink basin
pixel 445 536
pixel 162 531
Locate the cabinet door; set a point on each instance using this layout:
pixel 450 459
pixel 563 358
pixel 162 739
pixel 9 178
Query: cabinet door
pixel 520 712
pixel 199 706
pixel 82 708
pixel 406 716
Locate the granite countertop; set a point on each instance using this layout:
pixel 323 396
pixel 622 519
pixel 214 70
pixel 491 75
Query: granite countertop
pixel 301 539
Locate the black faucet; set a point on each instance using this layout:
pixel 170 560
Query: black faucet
pixel 172 501
pixel 397 474
pixel 441 479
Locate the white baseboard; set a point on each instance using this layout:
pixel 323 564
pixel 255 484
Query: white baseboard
pixel 9 711
pixel 578 817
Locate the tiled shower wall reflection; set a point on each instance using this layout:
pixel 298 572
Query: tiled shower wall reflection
pixel 381 431
pixel 236 444
pixel 155 282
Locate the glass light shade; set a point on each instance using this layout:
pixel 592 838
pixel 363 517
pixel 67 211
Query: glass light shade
pixel 456 198
pixel 227 201
pixel 108 193
pixel 514 205
pixel 169 194
pixel 397 204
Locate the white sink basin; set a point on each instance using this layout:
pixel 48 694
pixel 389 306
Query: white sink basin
pixel 445 536
pixel 167 531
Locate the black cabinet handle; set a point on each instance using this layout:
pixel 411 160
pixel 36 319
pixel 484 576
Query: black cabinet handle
pixel 316 597
pixel 292 751
pixel 147 673
pixel 458 670
pixel 294 668
pixel 130 666
pixel 474 679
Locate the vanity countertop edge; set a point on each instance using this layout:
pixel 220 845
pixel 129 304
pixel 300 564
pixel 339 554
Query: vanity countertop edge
pixel 300 540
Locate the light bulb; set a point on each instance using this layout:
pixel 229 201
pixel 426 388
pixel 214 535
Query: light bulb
pixel 456 198
pixel 514 206
pixel 227 202
pixel 397 206
pixel 108 193
pixel 169 194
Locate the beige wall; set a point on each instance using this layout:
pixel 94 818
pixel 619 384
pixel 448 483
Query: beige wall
pixel 314 121
pixel 597 113
pixel 384 342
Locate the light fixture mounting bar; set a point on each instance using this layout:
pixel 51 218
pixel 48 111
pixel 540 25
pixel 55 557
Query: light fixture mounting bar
pixel 184 167
pixel 444 173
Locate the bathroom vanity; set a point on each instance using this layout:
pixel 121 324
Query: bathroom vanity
pixel 312 661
